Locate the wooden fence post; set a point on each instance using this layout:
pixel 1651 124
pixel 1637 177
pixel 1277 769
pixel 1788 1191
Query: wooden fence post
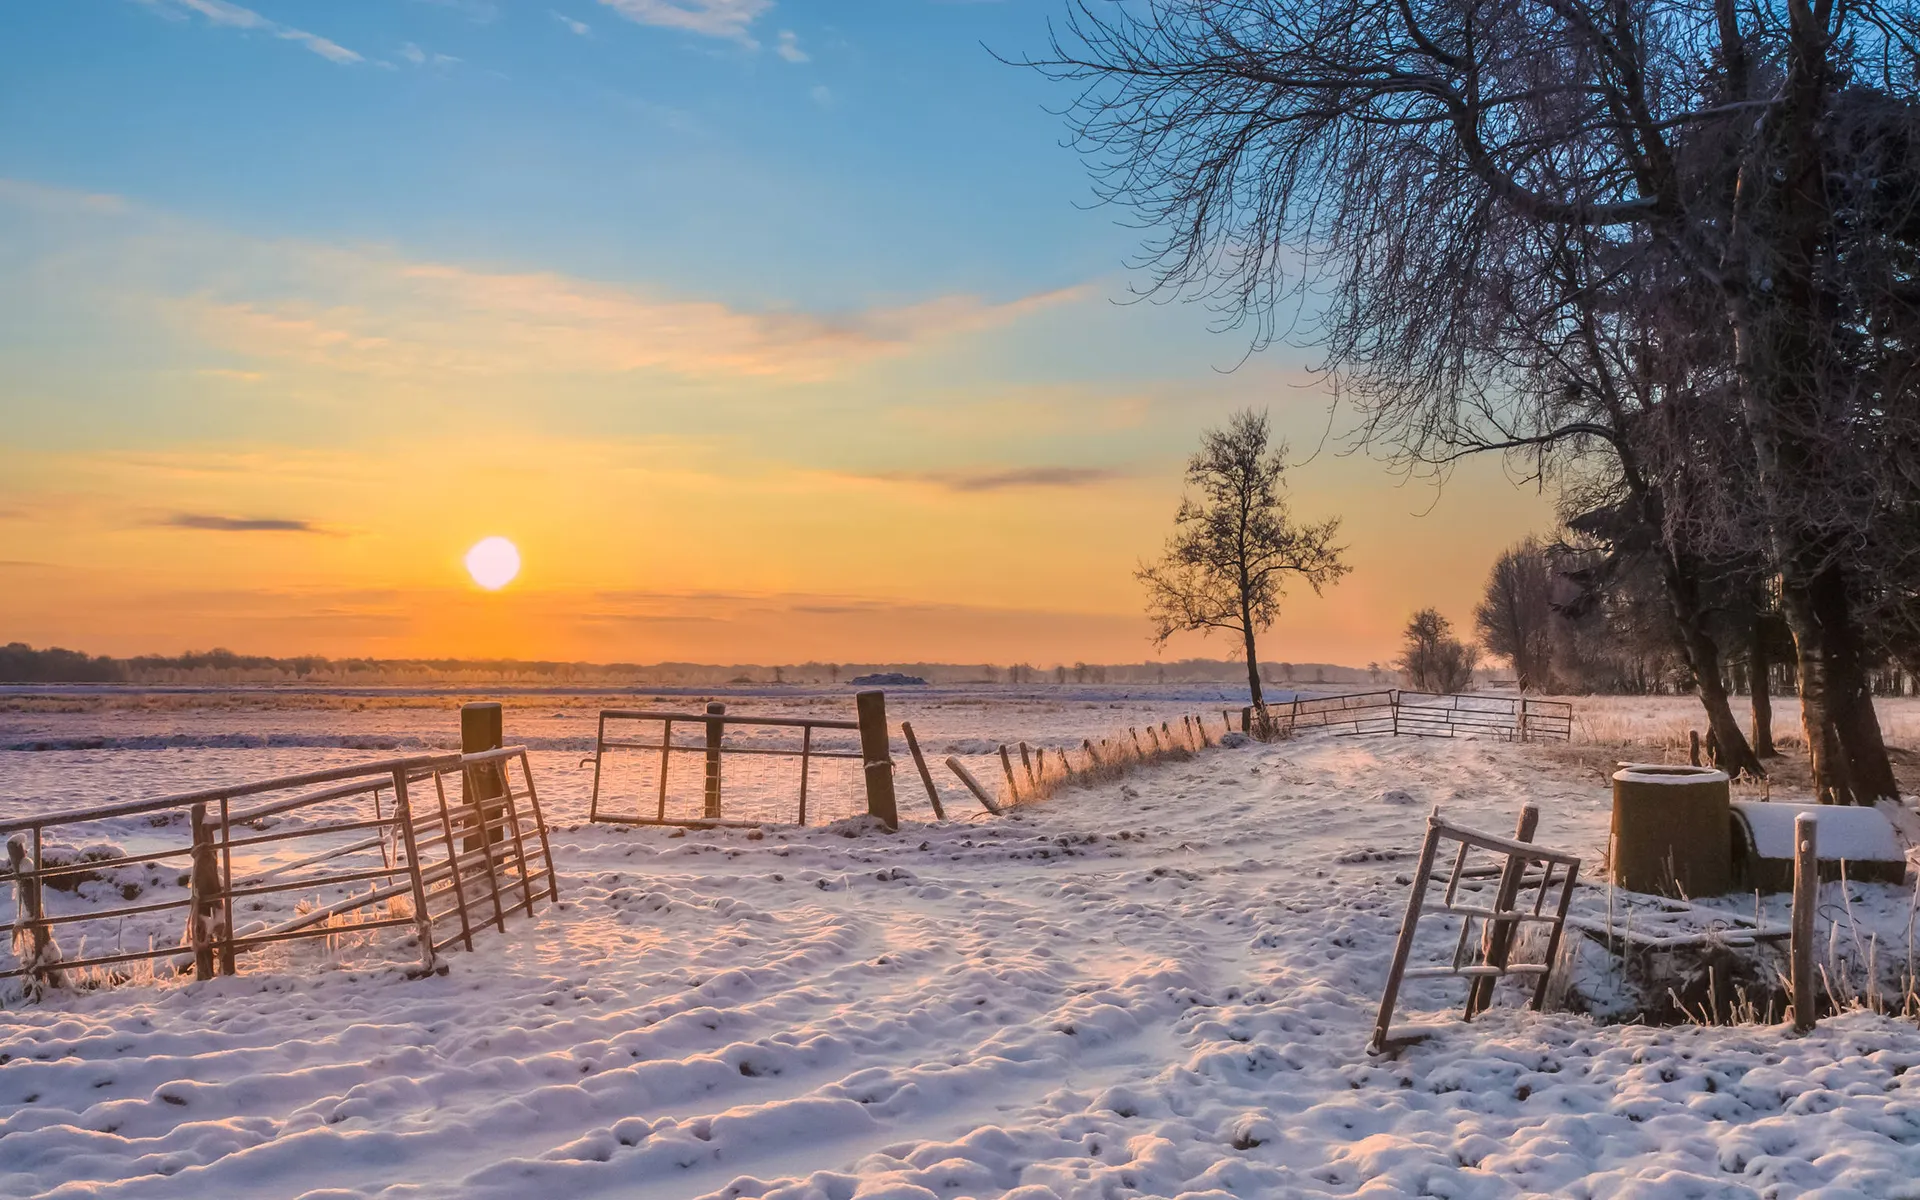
pixel 1137 747
pixel 1026 761
pixel 1093 756
pixel 26 895
pixel 1496 937
pixel 1006 764
pixel 926 776
pixel 204 886
pixel 484 785
pixel 403 820
pixel 1693 747
pixel 973 785
pixel 876 752
pixel 716 733
pixel 1806 894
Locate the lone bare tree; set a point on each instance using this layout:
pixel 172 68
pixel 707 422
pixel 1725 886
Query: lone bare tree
pixel 1235 545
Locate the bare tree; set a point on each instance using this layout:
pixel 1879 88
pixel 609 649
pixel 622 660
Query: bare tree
pixel 1515 619
pixel 1235 545
pixel 1402 149
pixel 1435 660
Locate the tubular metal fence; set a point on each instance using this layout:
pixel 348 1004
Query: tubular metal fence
pixel 442 868
pixel 1427 714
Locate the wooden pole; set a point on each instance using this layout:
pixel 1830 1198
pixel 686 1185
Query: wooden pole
pixel 926 776
pixel 1403 947
pixel 716 734
pixel 806 767
pixel 1806 894
pixel 1693 746
pixel 973 785
pixel 1246 719
pixel 1137 747
pixel 666 761
pixel 1026 760
pixel 403 821
pixel 599 752
pixel 26 893
pixel 1040 762
pixel 1496 937
pixel 1155 737
pixel 204 885
pixel 877 755
pixel 1006 764
pixel 1093 756
pixel 481 729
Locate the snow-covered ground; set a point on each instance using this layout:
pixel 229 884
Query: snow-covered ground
pixel 1156 987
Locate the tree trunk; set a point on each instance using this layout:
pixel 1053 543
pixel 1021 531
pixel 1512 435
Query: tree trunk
pixel 1816 718
pixel 1730 750
pixel 1253 667
pixel 1856 725
pixel 1759 674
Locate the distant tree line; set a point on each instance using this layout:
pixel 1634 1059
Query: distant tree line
pixel 22 664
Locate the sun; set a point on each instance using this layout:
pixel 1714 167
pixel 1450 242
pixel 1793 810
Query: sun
pixel 493 562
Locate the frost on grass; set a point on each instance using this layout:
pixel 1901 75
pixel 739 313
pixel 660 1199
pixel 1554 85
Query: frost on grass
pixel 1160 987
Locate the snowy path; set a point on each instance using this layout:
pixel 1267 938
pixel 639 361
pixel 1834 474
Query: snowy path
pixel 1157 989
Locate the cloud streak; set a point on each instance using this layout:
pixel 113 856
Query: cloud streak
pixel 713 18
pixel 219 524
pixel 225 15
pixel 1007 478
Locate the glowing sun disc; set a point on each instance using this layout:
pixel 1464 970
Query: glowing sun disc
pixel 493 562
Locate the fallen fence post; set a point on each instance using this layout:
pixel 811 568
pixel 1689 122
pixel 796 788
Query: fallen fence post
pixel 973 785
pixel 1806 891
pixel 1006 764
pixel 1496 936
pixel 877 757
pixel 926 776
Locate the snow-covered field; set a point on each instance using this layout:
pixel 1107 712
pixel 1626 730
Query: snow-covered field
pixel 1157 987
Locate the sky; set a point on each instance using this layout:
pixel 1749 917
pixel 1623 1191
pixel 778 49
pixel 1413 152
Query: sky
pixel 766 331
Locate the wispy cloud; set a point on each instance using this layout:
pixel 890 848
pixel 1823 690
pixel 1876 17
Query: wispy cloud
pixel 789 47
pixel 232 16
pixel 219 524
pixel 577 27
pixel 1000 479
pixel 714 18
pixel 394 317
pixel 423 58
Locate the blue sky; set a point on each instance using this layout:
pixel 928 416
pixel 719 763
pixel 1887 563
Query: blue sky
pixel 698 300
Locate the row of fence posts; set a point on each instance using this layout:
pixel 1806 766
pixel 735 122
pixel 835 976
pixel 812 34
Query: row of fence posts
pixel 1033 760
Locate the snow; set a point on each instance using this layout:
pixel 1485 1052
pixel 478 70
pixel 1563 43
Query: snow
pixel 1161 986
pixel 1841 832
pixel 1668 774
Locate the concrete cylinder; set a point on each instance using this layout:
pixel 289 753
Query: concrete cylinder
pixel 1672 830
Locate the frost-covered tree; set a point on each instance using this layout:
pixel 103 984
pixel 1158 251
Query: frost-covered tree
pixel 1235 545
pixel 1515 618
pixel 1435 660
